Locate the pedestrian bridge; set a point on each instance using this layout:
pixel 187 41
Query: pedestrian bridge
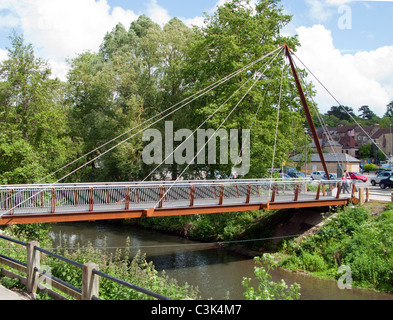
pixel 22 204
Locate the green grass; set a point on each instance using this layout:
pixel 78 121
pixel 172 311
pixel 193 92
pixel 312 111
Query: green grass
pixel 354 237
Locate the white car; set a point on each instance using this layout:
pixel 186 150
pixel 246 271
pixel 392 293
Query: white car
pixel 317 175
pixel 383 175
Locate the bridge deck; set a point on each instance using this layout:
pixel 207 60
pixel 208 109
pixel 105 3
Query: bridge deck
pixel 88 202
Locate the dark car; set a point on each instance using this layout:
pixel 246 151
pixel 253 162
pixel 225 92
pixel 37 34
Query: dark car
pixel 386 183
pixel 382 176
pixel 379 171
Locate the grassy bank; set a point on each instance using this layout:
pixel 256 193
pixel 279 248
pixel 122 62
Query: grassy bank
pixel 360 238
pixel 135 270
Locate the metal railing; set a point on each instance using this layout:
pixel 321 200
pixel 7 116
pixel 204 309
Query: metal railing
pixel 33 277
pixel 65 198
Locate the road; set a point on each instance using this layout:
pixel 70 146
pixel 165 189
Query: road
pixel 376 193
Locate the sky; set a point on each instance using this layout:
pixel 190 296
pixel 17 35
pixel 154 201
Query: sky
pixel 346 44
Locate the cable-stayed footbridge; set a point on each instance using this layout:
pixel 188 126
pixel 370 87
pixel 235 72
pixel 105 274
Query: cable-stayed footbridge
pixel 58 202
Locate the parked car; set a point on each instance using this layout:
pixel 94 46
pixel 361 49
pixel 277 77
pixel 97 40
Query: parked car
pixel 285 176
pixel 332 176
pixel 386 183
pixel 296 174
pixel 317 175
pixel 356 176
pixel 379 171
pixel 377 180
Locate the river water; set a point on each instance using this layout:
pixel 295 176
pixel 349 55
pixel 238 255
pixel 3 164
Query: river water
pixel 217 272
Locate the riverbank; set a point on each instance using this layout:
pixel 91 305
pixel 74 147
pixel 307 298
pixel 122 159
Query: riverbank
pixel 216 271
pixel 297 237
pixel 355 244
pixel 216 267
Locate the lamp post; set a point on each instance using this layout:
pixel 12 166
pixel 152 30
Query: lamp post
pixel 305 146
pixel 391 148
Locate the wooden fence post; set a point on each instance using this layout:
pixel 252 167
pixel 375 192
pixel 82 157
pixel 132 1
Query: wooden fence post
pixel 361 196
pixel 33 261
pixel 90 281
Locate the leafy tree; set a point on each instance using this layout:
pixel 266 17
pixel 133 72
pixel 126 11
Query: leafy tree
pixel 370 151
pixel 389 111
pixel 33 139
pixel 234 36
pixel 104 106
pixel 365 151
pixel 341 114
pixel 366 113
pixel 136 75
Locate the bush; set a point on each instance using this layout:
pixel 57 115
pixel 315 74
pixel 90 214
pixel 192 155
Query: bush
pixel 351 238
pixel 267 289
pixel 370 167
pixel 313 262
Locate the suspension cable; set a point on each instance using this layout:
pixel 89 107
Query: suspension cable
pixel 236 106
pixel 321 121
pixel 341 106
pixel 211 115
pixel 277 124
pixel 194 97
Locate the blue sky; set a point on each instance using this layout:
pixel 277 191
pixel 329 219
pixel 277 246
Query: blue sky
pixel 347 43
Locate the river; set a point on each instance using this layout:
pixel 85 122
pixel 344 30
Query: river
pixel 217 272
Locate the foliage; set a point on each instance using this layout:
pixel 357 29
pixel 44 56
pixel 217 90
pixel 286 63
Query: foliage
pixel 353 238
pixel 33 138
pixel 268 289
pixel 31 232
pixel 369 150
pixel 370 167
pixel 238 34
pixel 137 271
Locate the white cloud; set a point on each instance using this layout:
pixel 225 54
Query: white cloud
pixel 364 78
pixel 3 55
pixel 62 29
pixel 157 13
pixel 196 21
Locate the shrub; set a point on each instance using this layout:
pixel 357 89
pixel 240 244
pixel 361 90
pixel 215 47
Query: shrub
pixel 351 238
pixel 370 167
pixel 313 262
pixel 267 289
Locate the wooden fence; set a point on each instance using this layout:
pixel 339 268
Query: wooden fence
pixel 34 278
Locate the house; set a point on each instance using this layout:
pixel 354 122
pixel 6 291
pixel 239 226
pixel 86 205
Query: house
pixel 349 139
pixel 336 163
pixel 383 138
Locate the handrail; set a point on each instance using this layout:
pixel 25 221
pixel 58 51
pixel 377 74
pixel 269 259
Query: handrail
pixel 54 255
pixel 32 269
pixel 151 183
pixel 131 286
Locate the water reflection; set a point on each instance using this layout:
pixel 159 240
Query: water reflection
pixel 214 270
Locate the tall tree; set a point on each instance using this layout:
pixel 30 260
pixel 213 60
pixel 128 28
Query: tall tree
pixel 389 111
pixel 366 113
pixel 157 57
pixel 341 112
pixel 104 106
pixel 237 34
pixel 33 128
